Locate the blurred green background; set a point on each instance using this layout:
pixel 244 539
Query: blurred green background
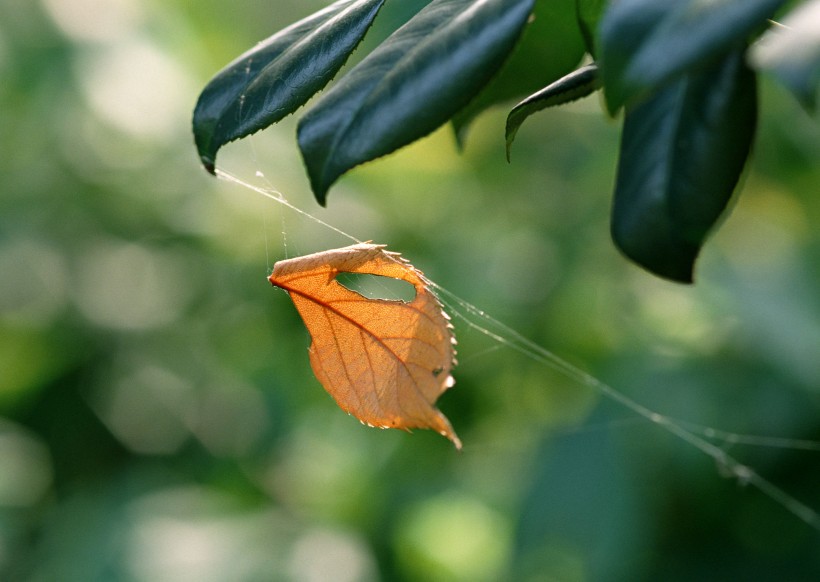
pixel 158 416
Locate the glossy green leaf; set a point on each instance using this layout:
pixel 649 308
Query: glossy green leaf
pixel 277 76
pixel 551 39
pixel 588 14
pixel 411 84
pixel 645 43
pixel 576 85
pixel 791 52
pixel 682 152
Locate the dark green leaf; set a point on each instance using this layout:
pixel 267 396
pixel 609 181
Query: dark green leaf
pixel 791 52
pixel 576 85
pixel 645 43
pixel 682 152
pixel 550 47
pixel 410 85
pixel 588 13
pixel 277 76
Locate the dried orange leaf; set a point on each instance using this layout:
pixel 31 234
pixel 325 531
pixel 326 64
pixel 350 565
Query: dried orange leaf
pixel 385 362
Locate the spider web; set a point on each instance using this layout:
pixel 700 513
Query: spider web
pixel 712 442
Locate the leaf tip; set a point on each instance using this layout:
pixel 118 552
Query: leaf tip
pixel 442 424
pixel 509 135
pixel 615 88
pixel 612 103
pixel 320 182
pixel 676 264
pixel 321 196
pixel 209 164
pixel 460 129
pixel 455 440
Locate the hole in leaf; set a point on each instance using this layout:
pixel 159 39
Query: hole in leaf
pixel 377 286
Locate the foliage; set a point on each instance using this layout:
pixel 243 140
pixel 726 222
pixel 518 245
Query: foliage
pixel 276 77
pixel 434 68
pixel 682 151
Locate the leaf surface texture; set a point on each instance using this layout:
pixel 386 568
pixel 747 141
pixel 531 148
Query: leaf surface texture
pixel 385 362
